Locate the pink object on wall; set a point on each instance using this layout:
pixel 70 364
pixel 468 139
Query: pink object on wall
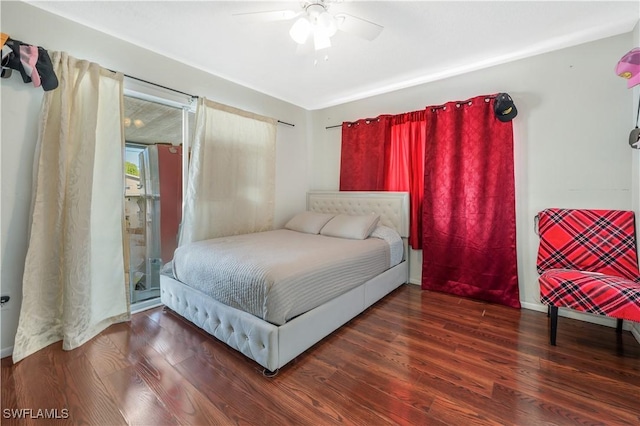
pixel 629 67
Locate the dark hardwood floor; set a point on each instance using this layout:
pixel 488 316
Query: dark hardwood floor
pixel 416 357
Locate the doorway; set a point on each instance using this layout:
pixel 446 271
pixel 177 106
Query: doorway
pixel 155 135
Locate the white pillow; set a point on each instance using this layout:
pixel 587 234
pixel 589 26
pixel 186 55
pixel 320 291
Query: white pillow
pixel 355 227
pixel 308 222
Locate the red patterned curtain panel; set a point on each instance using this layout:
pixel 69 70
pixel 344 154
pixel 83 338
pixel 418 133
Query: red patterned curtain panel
pixel 405 166
pixel 469 230
pixel 365 144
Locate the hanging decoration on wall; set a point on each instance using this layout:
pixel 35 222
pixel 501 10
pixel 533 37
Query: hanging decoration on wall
pixel 504 108
pixel 634 136
pixel 32 62
pixel 629 67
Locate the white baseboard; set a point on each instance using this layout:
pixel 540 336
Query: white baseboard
pixel 533 306
pixel 597 319
pixel 635 330
pixel 592 318
pixel 146 305
pixel 5 352
pixel 581 316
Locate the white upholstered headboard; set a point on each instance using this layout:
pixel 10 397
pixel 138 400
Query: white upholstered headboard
pixel 393 207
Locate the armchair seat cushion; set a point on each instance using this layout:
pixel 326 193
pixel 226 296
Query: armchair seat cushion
pixel 591 292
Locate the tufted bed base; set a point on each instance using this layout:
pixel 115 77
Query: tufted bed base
pixel 273 346
pixel 269 345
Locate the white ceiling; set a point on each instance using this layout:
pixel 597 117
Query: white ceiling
pixel 422 41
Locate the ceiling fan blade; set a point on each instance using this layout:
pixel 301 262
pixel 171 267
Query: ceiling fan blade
pixel 268 16
pixel 358 26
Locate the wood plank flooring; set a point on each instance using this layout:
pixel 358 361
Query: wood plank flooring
pixel 414 358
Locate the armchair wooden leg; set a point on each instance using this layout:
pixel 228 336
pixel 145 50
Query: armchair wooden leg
pixel 619 326
pixel 553 327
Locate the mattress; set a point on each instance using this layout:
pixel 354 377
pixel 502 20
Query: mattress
pixel 277 275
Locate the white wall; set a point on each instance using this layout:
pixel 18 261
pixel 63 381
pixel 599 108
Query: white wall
pixel 20 109
pixel 636 162
pixel 570 136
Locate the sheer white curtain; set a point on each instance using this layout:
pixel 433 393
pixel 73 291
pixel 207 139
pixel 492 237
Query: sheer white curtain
pixel 74 284
pixel 231 184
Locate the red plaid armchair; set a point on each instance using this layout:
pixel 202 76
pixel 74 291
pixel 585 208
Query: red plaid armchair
pixel 587 261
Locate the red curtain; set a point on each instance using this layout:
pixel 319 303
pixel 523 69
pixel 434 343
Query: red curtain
pixel 365 145
pixel 469 230
pixel 405 166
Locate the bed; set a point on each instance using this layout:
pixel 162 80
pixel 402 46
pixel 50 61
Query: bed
pixel 273 337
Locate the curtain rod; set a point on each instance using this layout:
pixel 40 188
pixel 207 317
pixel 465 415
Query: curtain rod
pixel 182 93
pixel 368 120
pixel 434 107
pixel 159 85
pixel 487 98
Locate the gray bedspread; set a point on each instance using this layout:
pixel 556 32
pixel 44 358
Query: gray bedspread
pixel 277 275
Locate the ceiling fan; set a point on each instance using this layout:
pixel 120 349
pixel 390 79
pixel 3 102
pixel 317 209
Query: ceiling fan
pixel 314 22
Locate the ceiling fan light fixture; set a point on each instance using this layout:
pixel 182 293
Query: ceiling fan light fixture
pixel 315 9
pixel 327 23
pixel 318 23
pixel 300 30
pixel 314 21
